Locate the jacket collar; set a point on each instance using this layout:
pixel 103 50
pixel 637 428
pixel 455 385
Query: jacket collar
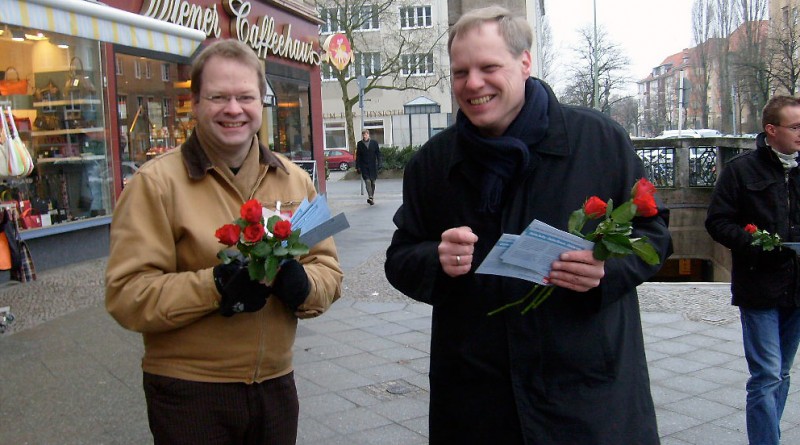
pixel 198 164
pixel 555 142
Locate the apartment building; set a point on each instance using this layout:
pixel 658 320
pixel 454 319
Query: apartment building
pixel 395 116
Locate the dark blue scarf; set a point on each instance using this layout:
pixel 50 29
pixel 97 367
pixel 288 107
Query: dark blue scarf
pixel 502 159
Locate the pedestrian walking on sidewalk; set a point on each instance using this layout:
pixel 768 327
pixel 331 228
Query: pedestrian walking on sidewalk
pixel 217 345
pixel 572 371
pixel 762 188
pixel 368 162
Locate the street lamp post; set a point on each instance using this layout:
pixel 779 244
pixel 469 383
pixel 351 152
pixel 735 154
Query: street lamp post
pixel 595 62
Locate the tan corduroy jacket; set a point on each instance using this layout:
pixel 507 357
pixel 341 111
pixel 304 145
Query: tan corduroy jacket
pixel 159 279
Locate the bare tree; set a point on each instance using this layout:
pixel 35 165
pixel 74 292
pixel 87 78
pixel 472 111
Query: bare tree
pixel 390 59
pixel 725 20
pixel 783 46
pixel 750 75
pixel 700 61
pixel 626 112
pixel 612 66
pixel 547 56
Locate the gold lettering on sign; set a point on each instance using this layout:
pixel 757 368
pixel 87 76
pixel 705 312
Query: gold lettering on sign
pixel 183 13
pixel 264 37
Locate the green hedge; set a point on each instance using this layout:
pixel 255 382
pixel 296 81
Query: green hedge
pixel 396 158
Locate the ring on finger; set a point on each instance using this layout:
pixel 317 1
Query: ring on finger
pixel 458 260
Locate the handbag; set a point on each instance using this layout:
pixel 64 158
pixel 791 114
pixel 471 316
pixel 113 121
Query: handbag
pixel 78 81
pixel 30 220
pixel 13 86
pixel 50 92
pixel 20 161
pixel 5 147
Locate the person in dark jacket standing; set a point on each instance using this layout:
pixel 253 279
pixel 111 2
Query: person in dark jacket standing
pixel 762 187
pixel 368 161
pixel 572 371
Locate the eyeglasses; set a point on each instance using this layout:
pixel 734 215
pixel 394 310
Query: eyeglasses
pixel 222 99
pixel 793 128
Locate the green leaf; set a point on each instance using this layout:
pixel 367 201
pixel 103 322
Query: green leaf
pixel 576 221
pixel 271 222
pixel 646 251
pixel 280 251
pixel 296 251
pixel 222 255
pixel 271 269
pixel 256 269
pixel 624 213
pixel 262 249
pixel 600 252
pixel 616 245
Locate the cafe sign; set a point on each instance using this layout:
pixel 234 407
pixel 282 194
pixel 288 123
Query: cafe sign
pixel 262 33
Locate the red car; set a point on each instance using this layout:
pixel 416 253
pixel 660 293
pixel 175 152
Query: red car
pixel 338 159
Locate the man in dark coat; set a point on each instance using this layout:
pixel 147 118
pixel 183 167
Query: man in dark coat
pixel 368 161
pixel 762 188
pixel 572 371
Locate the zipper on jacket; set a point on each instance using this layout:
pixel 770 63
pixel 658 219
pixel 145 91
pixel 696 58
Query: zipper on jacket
pixel 261 343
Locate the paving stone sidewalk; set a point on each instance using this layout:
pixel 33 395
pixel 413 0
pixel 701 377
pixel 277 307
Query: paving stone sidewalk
pixel 71 375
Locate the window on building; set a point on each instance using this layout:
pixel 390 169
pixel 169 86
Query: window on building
pixel 368 18
pixel 147 72
pixel 167 103
pixel 329 72
pixel 415 17
pixel 367 64
pixel 137 69
pixel 331 18
pixel 417 64
pixel 376 131
pixel 122 106
pixel 165 72
pixel 118 64
pixel 335 136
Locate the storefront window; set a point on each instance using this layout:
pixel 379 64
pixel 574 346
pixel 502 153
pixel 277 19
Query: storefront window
pixel 159 119
pixel 60 117
pixel 287 125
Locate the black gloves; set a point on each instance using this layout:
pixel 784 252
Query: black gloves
pixel 291 285
pixel 239 292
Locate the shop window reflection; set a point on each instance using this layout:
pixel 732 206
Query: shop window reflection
pixel 290 120
pixel 162 118
pixel 61 122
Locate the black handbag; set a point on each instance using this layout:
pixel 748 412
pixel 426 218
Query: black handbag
pixel 78 81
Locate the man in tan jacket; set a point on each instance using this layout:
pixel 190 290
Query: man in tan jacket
pixel 218 346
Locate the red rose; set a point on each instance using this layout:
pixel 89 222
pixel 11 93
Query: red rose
pixel 750 228
pixel 645 204
pixel 254 233
pixel 228 234
pixel 251 211
pixel 282 229
pixel 594 207
pixel 643 186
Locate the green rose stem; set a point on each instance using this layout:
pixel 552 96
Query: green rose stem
pixel 541 295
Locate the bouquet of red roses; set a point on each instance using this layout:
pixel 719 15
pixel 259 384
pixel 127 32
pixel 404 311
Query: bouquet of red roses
pixel 264 244
pixel 766 240
pixel 612 237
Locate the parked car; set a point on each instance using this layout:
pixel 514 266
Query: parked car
pixel 338 159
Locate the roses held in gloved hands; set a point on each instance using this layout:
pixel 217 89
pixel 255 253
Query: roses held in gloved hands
pixel 612 237
pixel 264 244
pixel 767 241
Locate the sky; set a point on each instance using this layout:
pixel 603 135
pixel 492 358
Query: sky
pixel 648 31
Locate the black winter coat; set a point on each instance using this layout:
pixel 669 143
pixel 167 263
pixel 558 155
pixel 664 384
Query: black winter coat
pixel 572 371
pixel 368 159
pixel 754 188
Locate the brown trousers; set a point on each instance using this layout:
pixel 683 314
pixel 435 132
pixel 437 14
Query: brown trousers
pixel 191 413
